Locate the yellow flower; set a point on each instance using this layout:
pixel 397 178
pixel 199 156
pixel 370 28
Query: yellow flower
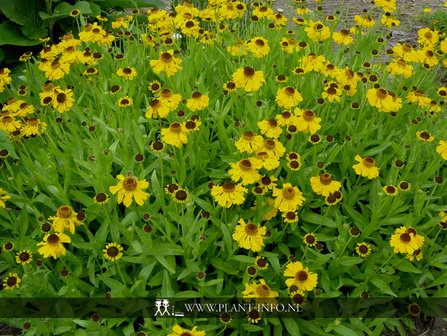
pixel 424 136
pixel 12 281
pixel 332 93
pixel 324 185
pixel 384 100
pixel 248 79
pixel 309 239
pixel 174 135
pixel 400 67
pixel 249 142
pixel 342 37
pixel 249 236
pixel 57 70
pixel 261 292
pixel 390 190
pixel 129 188
pixel 317 31
pixel 197 102
pixel 307 122
pixel 258 46
pixel 33 127
pixel 5 79
pixel 179 331
pixel 24 257
pixel 228 194
pixel 52 245
pixel 406 240
pixel 363 249
pixel 128 73
pixel 261 263
pixel 366 167
pixel 65 219
pixel 63 100
pixel 300 277
pixel 288 97
pixel 442 149
pixel 274 148
pixel 247 170
pixel 170 99
pixel 3 198
pixel 180 196
pixel 113 251
pixel 126 101
pixel 157 108
pixel 270 128
pixel 364 21
pixel 101 198
pixel 167 63
pixel 288 199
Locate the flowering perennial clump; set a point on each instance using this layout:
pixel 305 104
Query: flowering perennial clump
pixel 226 150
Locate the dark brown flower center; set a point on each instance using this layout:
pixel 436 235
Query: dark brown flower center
pixel 245 165
pixel 261 262
pixel 290 91
pixel 175 127
pixel 310 239
pixel 64 212
pixel 12 281
pixel 288 193
pixel 53 239
pixel 166 57
pixel 228 187
pixel 196 95
pixel 403 185
pixel 249 72
pixel 266 180
pixel 263 290
pixel 181 195
pixel 61 98
pixel 270 144
pixel 101 197
pixel 130 184
pixel 127 71
pixel 390 189
pixel 248 136
pixel 326 179
pixel 259 42
pixel 158 145
pixel 24 256
pixel 46 227
pixel 368 162
pixel 405 238
pixel 381 93
pixel 112 251
pixel 308 115
pixel 251 229
pixel 301 276
pixel 425 135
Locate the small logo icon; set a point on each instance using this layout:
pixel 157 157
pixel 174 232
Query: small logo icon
pixel 161 307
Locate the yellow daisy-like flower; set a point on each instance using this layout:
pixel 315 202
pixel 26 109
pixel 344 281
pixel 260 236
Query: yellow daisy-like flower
pixel 154 86
pixel 270 128
pixel 342 37
pixel 57 70
pixel 247 170
pixel 288 199
pixel 261 292
pixel 5 79
pixel 288 97
pixel 101 198
pixel 366 167
pixel 167 63
pixel 179 331
pixel 290 217
pixel 404 186
pixel 63 100
pixel 248 79
pixel 258 46
pixel 363 249
pixel 24 257
pixel 249 236
pixel 11 281
pixel 129 189
pixel 253 316
pixel 52 245
pixel 324 184
pixel 157 108
pixel 157 146
pixel 406 240
pixel 274 148
pixel 128 73
pixel 390 190
pixel 197 102
pixel 307 122
pixel 442 149
pixel 424 136
pixel 417 254
pixel 33 127
pixel 126 101
pixel 228 194
pixel 175 135
pixel 261 263
pixel 249 142
pixel 113 251
pixel 180 196
pixel 309 239
pixel 65 219
pixel 300 277
pixel 3 198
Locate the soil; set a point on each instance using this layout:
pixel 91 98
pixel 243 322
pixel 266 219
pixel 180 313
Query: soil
pixel 410 13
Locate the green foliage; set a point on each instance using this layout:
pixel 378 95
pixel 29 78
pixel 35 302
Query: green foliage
pixel 438 20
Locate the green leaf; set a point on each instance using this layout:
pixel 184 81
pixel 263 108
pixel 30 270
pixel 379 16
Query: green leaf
pixel 5 143
pixel 11 33
pixel 382 285
pixel 318 219
pixel 345 331
pixel 291 327
pixel 406 266
pixel 64 9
